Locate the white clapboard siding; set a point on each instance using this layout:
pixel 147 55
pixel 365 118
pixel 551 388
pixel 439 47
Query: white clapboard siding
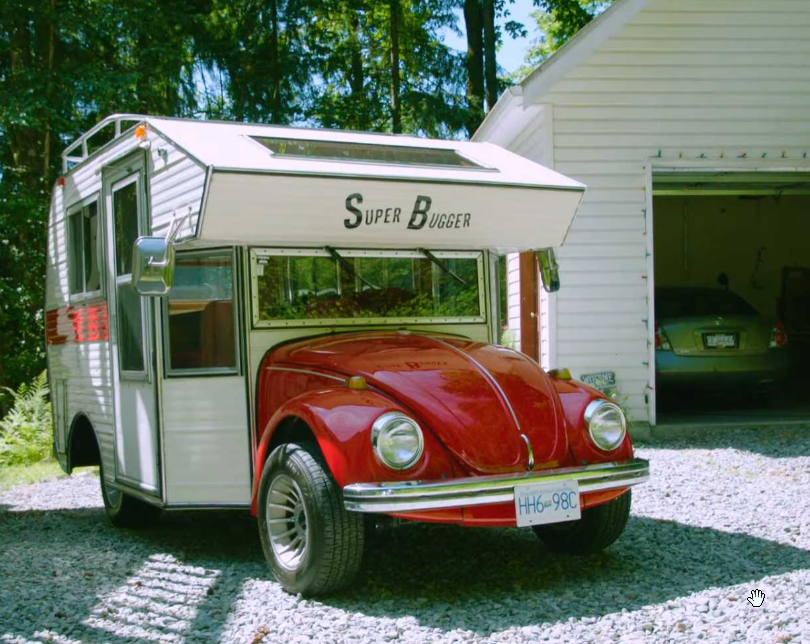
pixel 82 372
pixel 680 77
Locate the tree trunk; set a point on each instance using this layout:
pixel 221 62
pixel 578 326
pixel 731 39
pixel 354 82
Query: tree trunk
pixel 475 64
pixel 356 77
pixel 396 108
pixel 46 151
pixel 275 95
pixel 490 62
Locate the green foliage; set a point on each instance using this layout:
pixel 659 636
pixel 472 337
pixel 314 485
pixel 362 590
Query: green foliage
pixel 357 64
pixel 557 21
pixel 26 432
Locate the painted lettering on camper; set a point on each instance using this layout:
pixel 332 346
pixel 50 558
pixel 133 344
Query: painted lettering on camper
pixel 421 215
pixel 371 216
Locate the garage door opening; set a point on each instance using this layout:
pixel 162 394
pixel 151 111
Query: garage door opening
pixel 732 296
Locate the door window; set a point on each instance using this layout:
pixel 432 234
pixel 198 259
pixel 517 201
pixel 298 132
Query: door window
pixel 201 313
pixel 129 303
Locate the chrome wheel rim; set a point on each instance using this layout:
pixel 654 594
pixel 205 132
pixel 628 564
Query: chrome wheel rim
pixel 287 522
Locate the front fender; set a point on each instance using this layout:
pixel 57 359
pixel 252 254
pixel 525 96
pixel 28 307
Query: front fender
pixel 341 420
pixel 575 397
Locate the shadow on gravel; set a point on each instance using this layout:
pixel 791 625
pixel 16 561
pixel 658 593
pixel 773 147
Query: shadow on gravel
pixel 502 578
pixel 85 580
pixel 92 582
pixel 787 442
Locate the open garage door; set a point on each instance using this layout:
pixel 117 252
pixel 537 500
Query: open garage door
pixel 732 296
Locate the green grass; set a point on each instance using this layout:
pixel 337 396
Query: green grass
pixel 11 475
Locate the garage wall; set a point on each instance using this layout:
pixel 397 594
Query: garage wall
pixel 724 234
pixel 703 80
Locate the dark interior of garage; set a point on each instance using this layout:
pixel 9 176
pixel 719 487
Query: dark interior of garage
pixel 732 298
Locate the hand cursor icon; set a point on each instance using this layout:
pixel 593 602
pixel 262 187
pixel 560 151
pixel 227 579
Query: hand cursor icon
pixel 756 598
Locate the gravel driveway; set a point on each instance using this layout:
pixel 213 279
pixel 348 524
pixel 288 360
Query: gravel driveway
pixel 720 517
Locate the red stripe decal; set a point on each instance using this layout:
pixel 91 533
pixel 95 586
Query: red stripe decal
pixel 85 322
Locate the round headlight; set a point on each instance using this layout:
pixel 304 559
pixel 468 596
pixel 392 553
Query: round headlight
pixel 606 424
pixel 397 440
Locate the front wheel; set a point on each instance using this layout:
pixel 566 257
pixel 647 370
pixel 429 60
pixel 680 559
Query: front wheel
pixel 598 528
pixel 313 544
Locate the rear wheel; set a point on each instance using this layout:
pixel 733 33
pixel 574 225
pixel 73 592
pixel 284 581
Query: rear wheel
pixel 125 511
pixel 313 544
pixel 598 528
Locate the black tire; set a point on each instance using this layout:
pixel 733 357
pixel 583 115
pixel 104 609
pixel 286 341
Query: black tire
pixel 598 528
pixel 125 511
pixel 307 506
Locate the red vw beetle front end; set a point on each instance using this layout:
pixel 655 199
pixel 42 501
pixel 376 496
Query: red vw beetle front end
pixel 435 427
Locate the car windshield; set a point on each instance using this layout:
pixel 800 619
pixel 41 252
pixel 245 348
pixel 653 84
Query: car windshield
pixel 679 303
pixel 361 286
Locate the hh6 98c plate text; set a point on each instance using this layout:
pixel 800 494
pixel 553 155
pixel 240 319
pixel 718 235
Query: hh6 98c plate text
pixel 547 503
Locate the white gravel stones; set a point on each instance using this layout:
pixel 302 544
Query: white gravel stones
pixel 722 515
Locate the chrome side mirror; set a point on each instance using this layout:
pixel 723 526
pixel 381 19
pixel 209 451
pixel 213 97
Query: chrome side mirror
pixel 549 270
pixel 152 266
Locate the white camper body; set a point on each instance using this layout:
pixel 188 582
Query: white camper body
pixel 161 390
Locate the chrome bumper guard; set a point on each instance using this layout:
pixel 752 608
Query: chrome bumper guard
pixel 412 496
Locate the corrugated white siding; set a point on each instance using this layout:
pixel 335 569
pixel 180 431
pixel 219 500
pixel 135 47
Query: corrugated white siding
pixel 513 299
pixel 81 373
pixel 698 79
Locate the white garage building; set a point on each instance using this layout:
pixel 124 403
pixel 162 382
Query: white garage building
pixel 689 121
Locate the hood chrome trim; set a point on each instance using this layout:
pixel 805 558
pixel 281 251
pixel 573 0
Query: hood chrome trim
pixel 530 464
pixel 485 372
pixel 308 372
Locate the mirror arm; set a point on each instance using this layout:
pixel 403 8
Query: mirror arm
pixel 174 227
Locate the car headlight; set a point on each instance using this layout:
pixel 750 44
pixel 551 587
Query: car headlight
pixel 397 440
pixel 606 424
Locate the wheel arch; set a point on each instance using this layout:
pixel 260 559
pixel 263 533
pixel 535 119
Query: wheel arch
pixel 293 427
pixel 82 443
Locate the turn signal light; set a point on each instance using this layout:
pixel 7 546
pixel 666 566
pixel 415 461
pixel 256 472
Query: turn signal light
pixel 357 383
pixel 661 340
pixel 140 132
pixel 778 336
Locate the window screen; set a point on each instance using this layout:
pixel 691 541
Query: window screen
pixel 371 153
pixel 201 313
pixel 83 264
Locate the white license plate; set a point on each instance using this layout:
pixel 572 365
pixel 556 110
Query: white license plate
pixel 721 340
pixel 547 503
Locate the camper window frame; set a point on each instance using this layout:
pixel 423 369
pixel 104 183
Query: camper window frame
pixel 72 211
pixel 174 372
pixel 257 253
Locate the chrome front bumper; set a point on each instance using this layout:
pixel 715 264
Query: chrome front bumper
pixel 412 496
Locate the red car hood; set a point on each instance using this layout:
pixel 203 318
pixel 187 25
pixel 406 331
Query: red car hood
pixel 477 398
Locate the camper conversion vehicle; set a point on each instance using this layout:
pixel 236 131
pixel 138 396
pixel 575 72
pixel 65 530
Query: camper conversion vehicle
pixel 304 324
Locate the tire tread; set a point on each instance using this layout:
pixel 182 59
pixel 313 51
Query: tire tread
pixel 598 528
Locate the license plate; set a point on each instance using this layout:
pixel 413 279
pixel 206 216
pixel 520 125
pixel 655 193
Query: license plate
pixel 541 503
pixel 721 341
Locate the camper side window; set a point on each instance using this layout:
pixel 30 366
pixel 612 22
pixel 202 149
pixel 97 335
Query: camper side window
pixel 201 313
pixel 83 264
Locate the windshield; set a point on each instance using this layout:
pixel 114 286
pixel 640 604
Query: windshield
pixel 688 302
pixel 356 287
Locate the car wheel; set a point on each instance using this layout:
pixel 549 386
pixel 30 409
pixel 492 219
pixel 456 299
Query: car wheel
pixel 313 544
pixel 125 511
pixel 598 528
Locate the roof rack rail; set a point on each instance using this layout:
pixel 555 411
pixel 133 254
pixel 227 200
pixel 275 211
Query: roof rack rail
pixel 81 142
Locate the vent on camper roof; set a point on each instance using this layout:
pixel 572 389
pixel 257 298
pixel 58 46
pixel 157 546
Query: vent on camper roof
pixel 364 152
